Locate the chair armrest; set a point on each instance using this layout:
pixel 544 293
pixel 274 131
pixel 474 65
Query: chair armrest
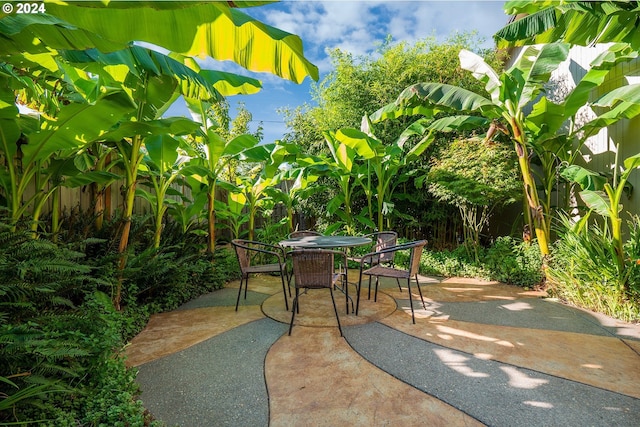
pixel 261 247
pixel 396 248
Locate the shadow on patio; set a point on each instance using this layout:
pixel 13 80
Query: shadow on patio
pixel 481 353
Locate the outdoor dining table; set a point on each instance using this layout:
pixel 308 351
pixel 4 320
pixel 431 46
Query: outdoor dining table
pixel 328 242
pixel 325 242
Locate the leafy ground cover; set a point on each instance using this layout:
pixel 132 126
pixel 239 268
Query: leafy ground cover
pixel 61 338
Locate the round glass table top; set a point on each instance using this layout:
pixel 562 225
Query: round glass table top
pixel 325 242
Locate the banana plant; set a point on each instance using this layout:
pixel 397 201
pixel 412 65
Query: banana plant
pixel 162 166
pixel 255 186
pixel 340 166
pixel 188 212
pixel 297 186
pixel 385 161
pixel 605 198
pixel 511 93
pixel 29 156
pixel 233 211
pixel 208 167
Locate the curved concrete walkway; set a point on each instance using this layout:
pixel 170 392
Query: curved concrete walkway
pixel 482 353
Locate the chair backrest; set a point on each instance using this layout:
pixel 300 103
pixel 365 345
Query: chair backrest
pixel 242 252
pixel 416 253
pixel 303 233
pixel 313 268
pixel 385 240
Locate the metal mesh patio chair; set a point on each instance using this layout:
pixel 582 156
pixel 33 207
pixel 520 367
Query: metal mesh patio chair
pixel 381 240
pixel 254 257
pixel 315 269
pixel 379 270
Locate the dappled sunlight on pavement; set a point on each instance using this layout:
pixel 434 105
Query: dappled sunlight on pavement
pixel 315 378
pixel 478 350
pixel 600 361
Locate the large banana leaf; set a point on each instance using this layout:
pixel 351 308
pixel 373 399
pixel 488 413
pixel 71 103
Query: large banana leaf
pixel 140 61
pixel 536 65
pixel 624 103
pixel 38 33
pixel 231 84
pixel 163 151
pixel 76 126
pixel 364 145
pixel 225 83
pixel 576 22
pixel 171 126
pixel 481 71
pixel 188 28
pixel 436 97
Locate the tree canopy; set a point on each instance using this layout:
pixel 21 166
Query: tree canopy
pixel 360 84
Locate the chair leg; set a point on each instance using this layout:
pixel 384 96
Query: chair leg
pixel 293 311
pixel 398 281
pixel 375 295
pixel 420 292
pixel 289 277
pixel 284 290
pixel 359 286
pixel 240 290
pixel 413 316
pixel 345 286
pixel 369 294
pixel 336 310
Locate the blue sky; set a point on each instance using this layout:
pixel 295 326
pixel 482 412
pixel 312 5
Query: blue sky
pixel 353 26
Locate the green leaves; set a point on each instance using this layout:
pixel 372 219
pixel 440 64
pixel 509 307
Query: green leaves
pixel 576 22
pixel 76 126
pixel 141 62
pixel 536 65
pixel 482 71
pixel 163 151
pixel 586 179
pixel 196 29
pixel 449 98
pixel 9 129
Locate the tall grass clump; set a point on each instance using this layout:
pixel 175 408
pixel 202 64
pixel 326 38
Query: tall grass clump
pixel 582 270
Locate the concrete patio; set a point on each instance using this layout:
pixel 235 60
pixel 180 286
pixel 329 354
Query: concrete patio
pixel 482 353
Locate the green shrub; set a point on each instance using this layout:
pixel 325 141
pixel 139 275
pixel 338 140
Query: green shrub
pixel 60 337
pixel 516 262
pixel 507 260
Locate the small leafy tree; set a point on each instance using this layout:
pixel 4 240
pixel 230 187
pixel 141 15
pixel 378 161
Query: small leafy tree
pixel 477 177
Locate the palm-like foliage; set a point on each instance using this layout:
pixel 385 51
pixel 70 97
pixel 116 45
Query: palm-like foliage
pixel 582 23
pixel 513 92
pixel 198 28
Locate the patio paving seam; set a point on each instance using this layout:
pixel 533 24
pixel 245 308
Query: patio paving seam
pixel 399 378
pixel 477 405
pixel 472 378
pixel 496 361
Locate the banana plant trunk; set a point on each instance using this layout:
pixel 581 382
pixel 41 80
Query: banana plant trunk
pixel 531 194
pixel 131 166
pixel 211 218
